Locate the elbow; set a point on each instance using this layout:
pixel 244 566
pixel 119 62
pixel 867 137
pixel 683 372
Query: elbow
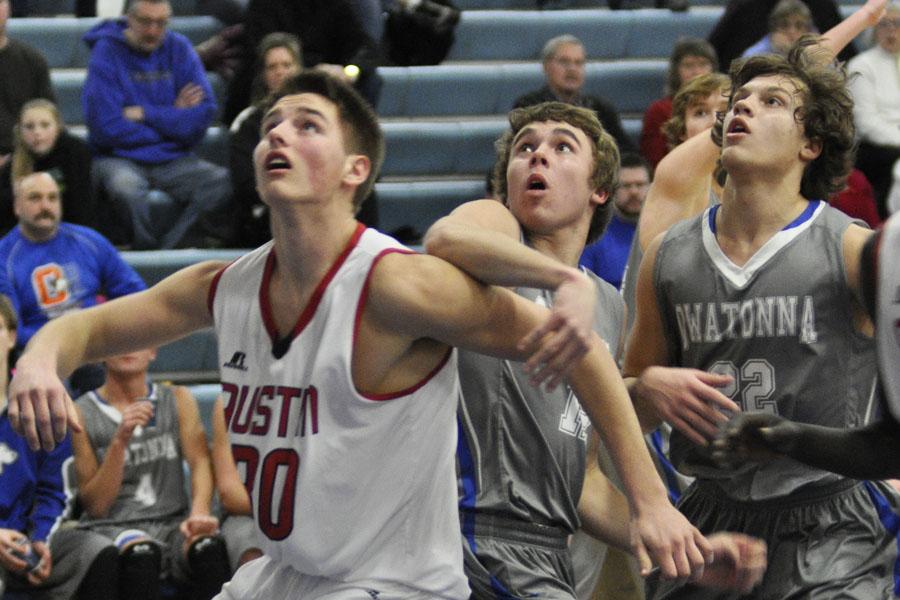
pixel 95 508
pixel 440 239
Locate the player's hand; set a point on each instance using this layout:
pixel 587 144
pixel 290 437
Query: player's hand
pixel 756 437
pixel 40 409
pixel 661 535
pixel 556 346
pixel 10 540
pixel 42 572
pixel 136 413
pixel 189 96
pixel 688 399
pixel 197 525
pixel 739 562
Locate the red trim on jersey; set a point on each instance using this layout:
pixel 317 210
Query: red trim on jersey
pixel 363 296
pixel 307 314
pixel 213 286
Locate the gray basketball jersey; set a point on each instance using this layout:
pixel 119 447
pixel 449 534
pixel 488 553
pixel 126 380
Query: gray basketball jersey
pixel 782 326
pixel 521 450
pixel 629 279
pixel 153 484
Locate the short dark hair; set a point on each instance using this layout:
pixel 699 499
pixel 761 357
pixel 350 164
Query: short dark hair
pixel 825 112
pixel 688 46
pixel 359 123
pixel 633 160
pixel 604 177
pixel 130 4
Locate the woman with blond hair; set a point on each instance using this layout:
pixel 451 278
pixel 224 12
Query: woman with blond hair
pixel 41 143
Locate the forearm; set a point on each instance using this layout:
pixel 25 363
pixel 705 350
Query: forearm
pixel 201 486
pixel 603 395
pixel 100 491
pixel 603 509
pixel 60 345
pixel 495 258
pixel 835 39
pixel 865 453
pixel 646 413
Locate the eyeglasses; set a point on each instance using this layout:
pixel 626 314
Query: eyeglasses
pixel 147 22
pixel 567 63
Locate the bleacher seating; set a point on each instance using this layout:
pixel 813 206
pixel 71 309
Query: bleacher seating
pixel 59 38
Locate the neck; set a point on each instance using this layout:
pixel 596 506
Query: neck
pixel 308 239
pixel 122 388
pixel 564 245
pixel 755 209
pixel 563 96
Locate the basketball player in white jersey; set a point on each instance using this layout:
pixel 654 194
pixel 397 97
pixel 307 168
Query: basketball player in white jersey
pixel 869 452
pixel 340 380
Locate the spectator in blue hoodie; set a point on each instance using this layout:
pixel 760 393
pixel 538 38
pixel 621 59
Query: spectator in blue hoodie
pixel 147 104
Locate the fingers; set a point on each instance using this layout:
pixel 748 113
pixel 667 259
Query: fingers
pixel 644 563
pixel 59 405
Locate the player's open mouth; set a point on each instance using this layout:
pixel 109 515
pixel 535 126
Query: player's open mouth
pixel 536 182
pixel 275 161
pixel 737 125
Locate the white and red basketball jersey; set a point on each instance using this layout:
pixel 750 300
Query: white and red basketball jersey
pixel 888 313
pixel 350 487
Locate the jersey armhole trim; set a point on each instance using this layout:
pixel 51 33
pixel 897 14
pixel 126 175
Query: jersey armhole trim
pixel 360 307
pixel 213 286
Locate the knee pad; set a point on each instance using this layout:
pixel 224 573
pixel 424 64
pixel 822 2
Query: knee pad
pixel 208 561
pixel 139 567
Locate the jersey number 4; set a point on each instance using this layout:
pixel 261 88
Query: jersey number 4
pixel 278 473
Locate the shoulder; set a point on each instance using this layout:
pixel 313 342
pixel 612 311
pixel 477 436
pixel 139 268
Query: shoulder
pixel 530 98
pixel 25 52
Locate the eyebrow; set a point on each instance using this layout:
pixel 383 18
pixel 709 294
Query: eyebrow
pixel 557 130
pixel 303 110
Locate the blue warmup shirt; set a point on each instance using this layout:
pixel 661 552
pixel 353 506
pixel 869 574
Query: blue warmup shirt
pixel 47 279
pixel 120 76
pixel 608 256
pixel 32 495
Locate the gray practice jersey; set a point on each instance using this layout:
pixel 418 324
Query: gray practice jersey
pixel 153 480
pixel 521 451
pixel 782 326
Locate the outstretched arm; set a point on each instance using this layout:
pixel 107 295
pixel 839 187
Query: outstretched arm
pixel 39 406
pixel 835 39
pixel 865 453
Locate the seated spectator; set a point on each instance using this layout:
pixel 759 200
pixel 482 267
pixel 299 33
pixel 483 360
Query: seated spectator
pixel 607 256
pixel 43 144
pixel 331 33
pixel 128 462
pixel 33 504
pixel 48 267
pixel 23 75
pixel 278 57
pixel 563 59
pixel 238 528
pixel 788 22
pixel 690 58
pixel 148 104
pixel 744 22
pixel 875 85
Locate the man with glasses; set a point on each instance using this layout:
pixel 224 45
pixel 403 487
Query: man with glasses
pixel 875 85
pixel 563 59
pixel 147 105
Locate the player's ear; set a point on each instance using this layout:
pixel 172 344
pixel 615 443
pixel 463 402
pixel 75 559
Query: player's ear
pixel 356 169
pixel 811 150
pixel 599 197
